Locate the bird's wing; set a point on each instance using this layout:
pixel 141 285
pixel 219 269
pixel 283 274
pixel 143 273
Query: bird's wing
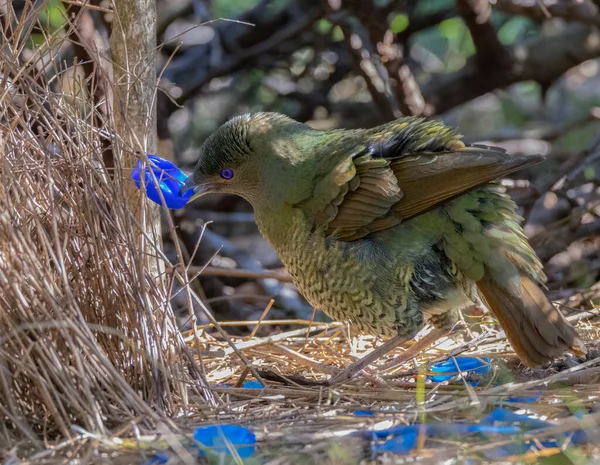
pixel 366 190
pixel 428 179
pixel 380 187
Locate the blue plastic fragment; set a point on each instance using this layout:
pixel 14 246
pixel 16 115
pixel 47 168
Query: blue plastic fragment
pixel 254 384
pixel 445 429
pixel 169 177
pixel 578 436
pixel 220 438
pixel 528 423
pixel 159 458
pixel 533 396
pixel 401 444
pixel 364 413
pixel 501 415
pixel 402 440
pixel 465 364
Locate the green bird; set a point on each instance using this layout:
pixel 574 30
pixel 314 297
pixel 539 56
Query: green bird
pixel 388 227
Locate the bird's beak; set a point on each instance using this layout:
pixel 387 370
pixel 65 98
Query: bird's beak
pixel 199 187
pixel 189 183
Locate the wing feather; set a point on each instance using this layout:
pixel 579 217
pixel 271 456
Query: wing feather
pixel 395 178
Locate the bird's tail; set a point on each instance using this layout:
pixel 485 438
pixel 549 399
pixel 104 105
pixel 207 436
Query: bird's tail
pixel 536 330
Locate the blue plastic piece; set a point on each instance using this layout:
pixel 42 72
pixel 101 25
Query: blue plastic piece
pixel 402 440
pixel 219 438
pixel 534 396
pixel 400 444
pixel 254 384
pixel 501 415
pixel 465 364
pixel 159 458
pixel 445 429
pixel 170 179
pixel 364 413
pixel 527 423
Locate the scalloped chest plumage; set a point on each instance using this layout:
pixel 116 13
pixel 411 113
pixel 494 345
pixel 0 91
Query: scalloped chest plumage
pixel 333 278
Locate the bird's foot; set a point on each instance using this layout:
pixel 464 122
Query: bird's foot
pixel 344 375
pixel 351 371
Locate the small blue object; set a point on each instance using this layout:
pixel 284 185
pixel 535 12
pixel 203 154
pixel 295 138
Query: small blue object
pixel 364 413
pixel 465 364
pixel 526 423
pixel 170 179
pixel 253 385
pixel 220 439
pixel 401 444
pixel 159 458
pixel 402 440
pixel 533 396
pixel 501 415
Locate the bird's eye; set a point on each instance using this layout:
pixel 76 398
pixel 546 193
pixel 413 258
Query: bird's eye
pixel 227 173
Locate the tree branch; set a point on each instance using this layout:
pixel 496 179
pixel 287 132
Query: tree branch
pixel 565 236
pixel 403 84
pixel 362 63
pixel 266 41
pixel 583 12
pixel 488 49
pixel 419 23
pixel 543 60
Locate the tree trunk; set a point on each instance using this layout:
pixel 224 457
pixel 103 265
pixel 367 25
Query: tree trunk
pixel 133 48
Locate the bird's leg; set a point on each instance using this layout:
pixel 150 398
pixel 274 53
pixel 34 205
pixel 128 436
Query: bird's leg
pixel 359 365
pixel 442 325
pixel 417 348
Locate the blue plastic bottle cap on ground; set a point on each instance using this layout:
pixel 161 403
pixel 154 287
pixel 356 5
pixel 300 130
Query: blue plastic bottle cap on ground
pixel 402 440
pixel 169 177
pixel 364 413
pixel 220 439
pixel 465 364
pixel 402 444
pixel 533 396
pixel 254 384
pixel 159 458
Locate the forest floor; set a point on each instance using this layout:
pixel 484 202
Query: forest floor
pixel 509 414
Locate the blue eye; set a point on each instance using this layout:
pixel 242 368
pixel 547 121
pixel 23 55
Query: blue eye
pixel 227 173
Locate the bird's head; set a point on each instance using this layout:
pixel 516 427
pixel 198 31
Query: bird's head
pixel 262 157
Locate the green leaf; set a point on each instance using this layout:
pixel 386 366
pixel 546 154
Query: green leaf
pixel 337 34
pixel 323 26
pixel 451 28
pixel 53 16
pixel 513 29
pixel 399 23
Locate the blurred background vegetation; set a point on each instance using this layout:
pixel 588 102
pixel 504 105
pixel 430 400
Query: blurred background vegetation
pixel 522 74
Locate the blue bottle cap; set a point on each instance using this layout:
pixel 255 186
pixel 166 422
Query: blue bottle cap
pixel 465 364
pixel 220 438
